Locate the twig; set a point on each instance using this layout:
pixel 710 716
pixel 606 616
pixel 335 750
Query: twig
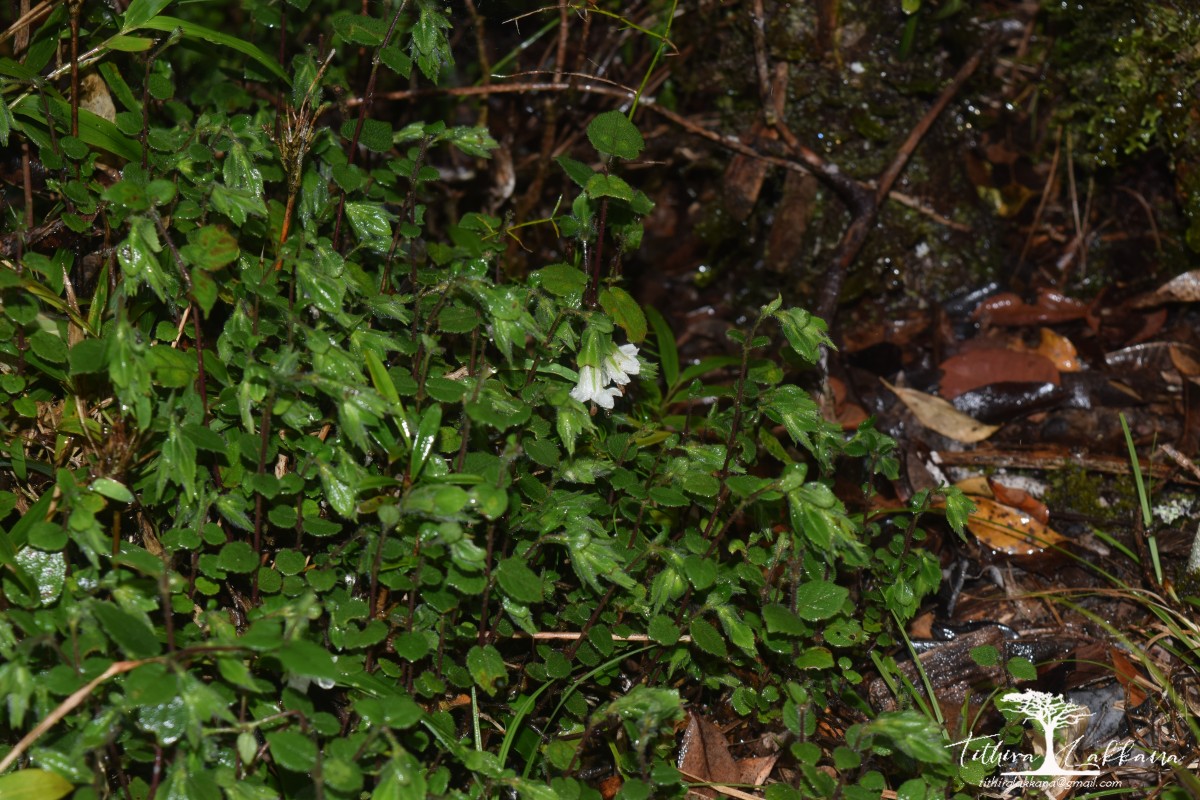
pixel 856 234
pixel 68 705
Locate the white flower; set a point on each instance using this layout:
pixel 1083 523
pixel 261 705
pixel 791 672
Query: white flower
pixel 592 387
pixel 620 364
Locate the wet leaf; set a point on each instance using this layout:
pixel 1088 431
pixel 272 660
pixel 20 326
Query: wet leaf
pixel 1010 530
pixel 612 134
pixel 981 366
pixel 625 311
pixel 34 784
pixel 292 750
pixel 938 415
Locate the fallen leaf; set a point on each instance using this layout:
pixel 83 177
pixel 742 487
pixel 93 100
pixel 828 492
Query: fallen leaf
pixel 1009 530
pixel 1183 288
pixel 704 756
pixel 1019 499
pixel 1129 677
pixel 1008 308
pixel 1059 351
pixel 1183 358
pixel 938 415
pixel 984 365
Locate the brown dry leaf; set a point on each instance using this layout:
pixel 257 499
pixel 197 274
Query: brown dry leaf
pixel 1129 677
pixel 1008 530
pixel 938 415
pixel 1060 351
pixel 1051 307
pixel 610 786
pixel 1020 500
pixel 704 756
pixel 985 365
pixel 1184 359
pixel 1183 288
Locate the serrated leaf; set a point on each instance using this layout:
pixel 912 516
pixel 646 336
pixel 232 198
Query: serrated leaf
pixel 612 133
pixel 375 135
pixel 625 311
pixel 577 171
pixel 779 619
pixel 707 638
pixel 132 634
pixel 518 581
pixel 210 248
pixel 487 668
pixel 372 224
pixel 609 186
pixel 818 599
pixel 292 750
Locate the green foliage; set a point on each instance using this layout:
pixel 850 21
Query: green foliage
pixel 292 472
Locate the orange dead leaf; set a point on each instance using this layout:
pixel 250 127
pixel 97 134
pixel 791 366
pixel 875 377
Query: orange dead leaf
pixel 1129 676
pixel 1009 530
pixel 1020 500
pixel 1060 351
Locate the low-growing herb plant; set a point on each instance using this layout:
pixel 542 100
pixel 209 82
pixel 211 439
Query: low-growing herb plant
pixel 304 497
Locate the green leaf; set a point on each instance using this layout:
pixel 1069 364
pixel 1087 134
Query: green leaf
pixel 132 634
pixel 781 620
pixel 664 338
pixel 93 129
pixel 360 29
pixel 609 186
pixel 985 655
pixel 613 134
pixel 142 11
pixel 210 248
pixel 561 280
pixel 518 581
pixel 914 734
pixel 663 630
pixel 1022 669
pixel 130 44
pixel 376 135
pixel 805 333
pixel 34 784
pixel 487 668
pixel 625 311
pixel 308 660
pixel 818 599
pixel 577 171
pixel 237 557
pixel 426 438
pixel 113 490
pixel 194 31
pixel 48 346
pixel 292 750
pixel 372 224
pixel 707 638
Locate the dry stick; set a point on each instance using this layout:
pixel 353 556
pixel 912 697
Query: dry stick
pixel 1037 216
pixel 810 163
pixel 856 234
pixel 68 705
